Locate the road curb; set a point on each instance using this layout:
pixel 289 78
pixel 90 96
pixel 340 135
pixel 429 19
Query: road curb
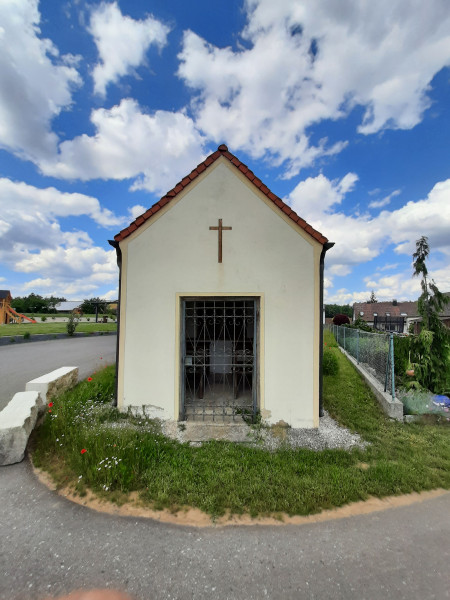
pixel 10 340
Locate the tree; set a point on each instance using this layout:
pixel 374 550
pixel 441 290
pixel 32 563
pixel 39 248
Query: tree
pixel 372 298
pixel 432 345
pixel 34 303
pixel 335 309
pixel 341 320
pixel 88 306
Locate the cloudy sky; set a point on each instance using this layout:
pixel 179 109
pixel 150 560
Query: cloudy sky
pixel 341 108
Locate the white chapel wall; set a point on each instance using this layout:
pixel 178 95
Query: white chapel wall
pixel 176 255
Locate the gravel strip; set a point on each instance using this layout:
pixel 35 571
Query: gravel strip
pixel 328 435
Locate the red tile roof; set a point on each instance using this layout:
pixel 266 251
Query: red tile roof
pixel 221 151
pixel 381 308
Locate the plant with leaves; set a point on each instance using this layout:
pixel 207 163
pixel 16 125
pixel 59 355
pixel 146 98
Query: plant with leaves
pixel 341 320
pixel 432 345
pixel 372 298
pixel 72 323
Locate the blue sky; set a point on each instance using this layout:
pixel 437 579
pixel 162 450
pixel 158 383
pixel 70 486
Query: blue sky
pixel 341 108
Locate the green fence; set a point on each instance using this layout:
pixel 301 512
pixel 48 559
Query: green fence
pixel 374 352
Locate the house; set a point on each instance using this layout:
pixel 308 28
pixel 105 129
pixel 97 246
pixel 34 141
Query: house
pixel 68 306
pixel 444 316
pixel 394 316
pixel 220 303
pixel 387 316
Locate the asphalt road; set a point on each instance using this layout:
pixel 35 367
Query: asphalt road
pixel 51 546
pixel 21 363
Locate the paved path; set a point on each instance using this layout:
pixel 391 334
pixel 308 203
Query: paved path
pixel 20 363
pixel 50 546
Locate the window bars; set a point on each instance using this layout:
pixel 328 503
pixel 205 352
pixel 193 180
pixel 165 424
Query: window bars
pixel 219 338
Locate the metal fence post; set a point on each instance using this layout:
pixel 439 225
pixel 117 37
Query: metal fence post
pixel 357 346
pixel 344 338
pixel 391 349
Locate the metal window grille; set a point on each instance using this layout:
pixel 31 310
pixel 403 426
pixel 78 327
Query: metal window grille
pixel 219 359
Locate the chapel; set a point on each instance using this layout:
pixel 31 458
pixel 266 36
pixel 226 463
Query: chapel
pixel 220 303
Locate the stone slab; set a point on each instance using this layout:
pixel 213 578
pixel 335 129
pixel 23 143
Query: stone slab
pixel 53 383
pixel 17 421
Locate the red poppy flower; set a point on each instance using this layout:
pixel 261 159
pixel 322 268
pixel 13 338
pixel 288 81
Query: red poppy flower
pixel 50 404
pixel 49 410
pixel 83 451
pixel 89 378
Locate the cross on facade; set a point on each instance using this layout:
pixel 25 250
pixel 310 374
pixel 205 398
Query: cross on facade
pixel 220 228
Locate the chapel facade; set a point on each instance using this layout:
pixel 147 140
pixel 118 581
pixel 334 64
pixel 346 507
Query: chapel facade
pixel 221 293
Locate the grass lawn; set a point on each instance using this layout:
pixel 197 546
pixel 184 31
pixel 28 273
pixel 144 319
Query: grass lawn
pixel 52 327
pixel 125 454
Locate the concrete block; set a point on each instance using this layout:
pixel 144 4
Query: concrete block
pixel 17 421
pixel 52 384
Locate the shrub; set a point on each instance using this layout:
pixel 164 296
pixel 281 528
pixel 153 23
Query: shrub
pixel 26 335
pixel 43 318
pixel 362 325
pixel 330 364
pixel 72 323
pixel 341 320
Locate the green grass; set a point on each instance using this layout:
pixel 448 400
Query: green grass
pixel 50 326
pixel 125 454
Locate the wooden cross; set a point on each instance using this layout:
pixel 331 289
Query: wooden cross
pixel 220 228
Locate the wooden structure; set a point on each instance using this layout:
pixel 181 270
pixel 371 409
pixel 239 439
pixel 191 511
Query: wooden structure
pixel 7 313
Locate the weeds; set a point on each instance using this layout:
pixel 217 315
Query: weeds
pixel 126 453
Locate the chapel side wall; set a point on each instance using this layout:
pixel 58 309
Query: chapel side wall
pixel 176 255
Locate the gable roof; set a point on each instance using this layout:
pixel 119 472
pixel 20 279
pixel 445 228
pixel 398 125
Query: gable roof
pixel 4 294
pixel 222 150
pixel 381 308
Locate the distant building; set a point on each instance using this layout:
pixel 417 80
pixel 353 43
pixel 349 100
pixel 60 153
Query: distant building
pixel 394 316
pixel 68 306
pixel 386 316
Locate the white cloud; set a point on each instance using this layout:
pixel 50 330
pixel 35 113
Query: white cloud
pixel 111 294
pixel 69 271
pixel 135 211
pixel 36 82
pixel 121 43
pixel 384 201
pixel 305 62
pixel 360 238
pixel 317 195
pixel 157 148
pixel 34 242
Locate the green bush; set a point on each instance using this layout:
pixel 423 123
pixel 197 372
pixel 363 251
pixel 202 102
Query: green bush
pixel 330 364
pixel 26 335
pixel 44 318
pixel 402 350
pixel 72 323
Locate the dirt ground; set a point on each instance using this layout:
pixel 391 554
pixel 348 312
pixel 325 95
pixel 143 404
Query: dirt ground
pixel 193 517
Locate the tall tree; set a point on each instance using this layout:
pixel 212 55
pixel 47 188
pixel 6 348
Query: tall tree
pixel 433 342
pixel 372 298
